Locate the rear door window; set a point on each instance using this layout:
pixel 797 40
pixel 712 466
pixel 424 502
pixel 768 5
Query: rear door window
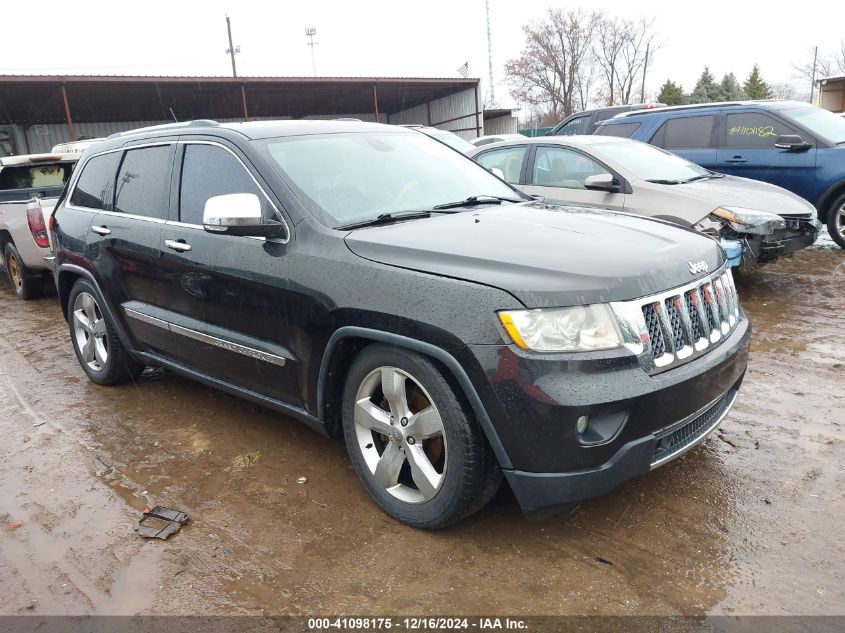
pixel 507 159
pixel 754 130
pixel 143 182
pixel 693 132
pixel 208 171
pixel 96 182
pixel 624 130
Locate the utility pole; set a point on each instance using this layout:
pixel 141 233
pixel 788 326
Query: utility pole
pixel 310 32
pixel 492 100
pixel 645 69
pixel 232 50
pixel 813 74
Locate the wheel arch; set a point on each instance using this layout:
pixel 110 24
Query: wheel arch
pixel 344 344
pixel 67 276
pixel 5 238
pixel 828 198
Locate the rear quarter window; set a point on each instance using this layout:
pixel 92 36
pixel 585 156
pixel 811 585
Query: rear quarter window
pixel 96 182
pixel 623 130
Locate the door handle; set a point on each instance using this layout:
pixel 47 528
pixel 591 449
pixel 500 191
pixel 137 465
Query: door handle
pixel 101 230
pixel 177 245
pixel 736 159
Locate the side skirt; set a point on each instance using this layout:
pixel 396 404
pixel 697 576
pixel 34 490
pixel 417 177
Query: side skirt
pixel 276 405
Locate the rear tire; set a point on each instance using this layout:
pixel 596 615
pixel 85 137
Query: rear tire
pixel 95 341
pixel 26 283
pixel 414 445
pixel 836 221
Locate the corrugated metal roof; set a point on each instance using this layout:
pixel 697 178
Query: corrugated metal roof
pixel 224 78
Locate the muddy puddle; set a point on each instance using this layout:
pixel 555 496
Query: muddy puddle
pixel 750 522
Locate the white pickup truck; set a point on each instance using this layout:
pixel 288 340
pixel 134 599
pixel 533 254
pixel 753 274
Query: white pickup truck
pixel 30 185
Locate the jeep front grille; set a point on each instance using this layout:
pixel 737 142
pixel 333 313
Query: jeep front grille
pixel 673 327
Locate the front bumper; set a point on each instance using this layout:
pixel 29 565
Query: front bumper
pixel 798 234
pixel 539 401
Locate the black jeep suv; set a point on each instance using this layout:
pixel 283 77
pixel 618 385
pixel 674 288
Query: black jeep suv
pixel 380 286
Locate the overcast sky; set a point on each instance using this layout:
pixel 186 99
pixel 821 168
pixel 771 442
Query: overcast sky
pixel 391 38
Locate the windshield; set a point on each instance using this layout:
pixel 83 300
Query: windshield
pixel 650 163
pixel 454 141
pixel 820 122
pixel 353 177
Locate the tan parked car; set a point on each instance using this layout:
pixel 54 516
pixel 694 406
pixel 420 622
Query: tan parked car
pixel 30 185
pixel 755 221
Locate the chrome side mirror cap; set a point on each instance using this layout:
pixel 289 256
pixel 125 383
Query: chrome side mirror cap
pixel 238 214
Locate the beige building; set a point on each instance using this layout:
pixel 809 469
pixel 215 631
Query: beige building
pixel 830 94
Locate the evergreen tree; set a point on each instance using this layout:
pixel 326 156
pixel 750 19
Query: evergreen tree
pixel 755 87
pixel 671 94
pixel 706 89
pixel 731 90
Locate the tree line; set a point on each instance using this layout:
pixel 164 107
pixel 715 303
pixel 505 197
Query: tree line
pixel 707 89
pixel 574 59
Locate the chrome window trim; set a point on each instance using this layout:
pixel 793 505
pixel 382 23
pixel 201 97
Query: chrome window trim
pixel 77 173
pixel 278 213
pixel 229 346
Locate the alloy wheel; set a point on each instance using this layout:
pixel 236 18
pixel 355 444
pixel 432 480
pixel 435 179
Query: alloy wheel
pixel 839 222
pixel 89 329
pixel 400 434
pixel 15 273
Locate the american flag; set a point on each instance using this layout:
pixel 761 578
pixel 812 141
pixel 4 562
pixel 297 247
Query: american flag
pixel 463 69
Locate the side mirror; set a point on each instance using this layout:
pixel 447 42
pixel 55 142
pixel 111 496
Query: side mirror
pixel 238 214
pixel 601 182
pixel 792 143
pixel 497 172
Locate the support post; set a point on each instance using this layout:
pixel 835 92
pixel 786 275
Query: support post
pixel 243 98
pixel 375 102
pixel 70 129
pixel 477 114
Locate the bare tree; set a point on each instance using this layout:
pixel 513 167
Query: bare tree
pixel 638 44
pixel 553 69
pixel 611 38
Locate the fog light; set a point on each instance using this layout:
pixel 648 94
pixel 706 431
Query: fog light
pixel 581 424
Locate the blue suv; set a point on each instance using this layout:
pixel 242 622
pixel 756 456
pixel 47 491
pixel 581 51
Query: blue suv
pixel 794 145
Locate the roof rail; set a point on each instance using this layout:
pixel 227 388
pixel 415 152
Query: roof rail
pixel 693 106
pixel 168 126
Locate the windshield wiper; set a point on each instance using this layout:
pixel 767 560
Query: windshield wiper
pixel 658 181
pixel 386 218
pixel 476 200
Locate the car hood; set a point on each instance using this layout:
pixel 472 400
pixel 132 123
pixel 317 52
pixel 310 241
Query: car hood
pixel 744 192
pixel 545 255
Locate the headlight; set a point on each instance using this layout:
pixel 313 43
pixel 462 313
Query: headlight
pixel 575 329
pixel 750 220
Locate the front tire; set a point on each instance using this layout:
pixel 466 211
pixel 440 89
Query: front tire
pixel 413 444
pixel 26 283
pixel 836 221
pixel 98 348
